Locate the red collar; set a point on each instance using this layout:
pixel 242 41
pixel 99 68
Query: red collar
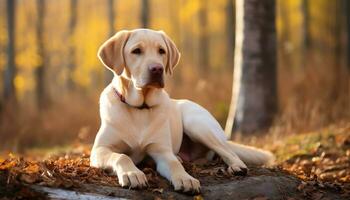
pixel 122 99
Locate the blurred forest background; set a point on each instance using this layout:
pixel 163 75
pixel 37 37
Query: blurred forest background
pixel 48 51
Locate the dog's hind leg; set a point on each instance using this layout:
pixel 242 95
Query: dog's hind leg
pixel 200 126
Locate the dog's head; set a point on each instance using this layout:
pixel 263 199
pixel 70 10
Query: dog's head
pixel 144 55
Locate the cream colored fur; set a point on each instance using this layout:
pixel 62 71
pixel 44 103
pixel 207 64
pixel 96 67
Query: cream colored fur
pixel 127 134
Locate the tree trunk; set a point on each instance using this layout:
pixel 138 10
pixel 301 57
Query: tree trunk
pixel 10 71
pixel 204 61
pixel 347 28
pixel 340 78
pixel 284 40
pixel 305 37
pixel 230 21
pixel 108 75
pixel 72 53
pixel 305 26
pixel 254 99
pixel 174 8
pixel 347 15
pixel 41 93
pixel 145 14
pixel 338 23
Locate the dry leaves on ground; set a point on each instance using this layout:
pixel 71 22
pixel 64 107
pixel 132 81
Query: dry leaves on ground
pixel 325 167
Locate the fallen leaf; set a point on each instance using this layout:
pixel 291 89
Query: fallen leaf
pixel 158 190
pixel 198 197
pixel 28 178
pixel 32 168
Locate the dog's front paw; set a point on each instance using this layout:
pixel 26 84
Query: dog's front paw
pixel 186 183
pixel 132 179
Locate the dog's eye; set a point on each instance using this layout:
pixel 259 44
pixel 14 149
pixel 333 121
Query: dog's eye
pixel 136 51
pixel 161 51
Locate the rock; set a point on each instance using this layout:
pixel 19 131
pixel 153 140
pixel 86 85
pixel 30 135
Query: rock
pixel 259 187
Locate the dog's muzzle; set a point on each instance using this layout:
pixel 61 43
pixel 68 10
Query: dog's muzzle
pixel 156 78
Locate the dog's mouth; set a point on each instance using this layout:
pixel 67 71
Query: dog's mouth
pixel 155 82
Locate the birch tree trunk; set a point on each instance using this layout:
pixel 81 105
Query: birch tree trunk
pixel 254 98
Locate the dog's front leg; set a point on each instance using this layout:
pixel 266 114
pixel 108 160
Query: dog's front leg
pixel 128 174
pixel 170 167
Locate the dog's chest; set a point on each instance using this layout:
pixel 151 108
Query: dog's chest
pixel 143 127
pixel 138 128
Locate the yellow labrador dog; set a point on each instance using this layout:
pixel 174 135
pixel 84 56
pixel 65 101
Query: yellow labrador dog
pixel 138 117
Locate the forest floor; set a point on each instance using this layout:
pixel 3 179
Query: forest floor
pixel 313 165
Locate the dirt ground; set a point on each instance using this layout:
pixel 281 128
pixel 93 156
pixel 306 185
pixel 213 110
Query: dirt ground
pixel 74 173
pixel 17 176
pixel 311 166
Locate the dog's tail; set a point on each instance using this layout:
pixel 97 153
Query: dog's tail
pixel 251 155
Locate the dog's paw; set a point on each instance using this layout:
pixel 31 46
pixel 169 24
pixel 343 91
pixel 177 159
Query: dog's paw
pixel 185 183
pixel 239 169
pixel 132 179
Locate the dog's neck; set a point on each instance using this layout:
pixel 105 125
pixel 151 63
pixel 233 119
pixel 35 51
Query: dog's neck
pixel 135 97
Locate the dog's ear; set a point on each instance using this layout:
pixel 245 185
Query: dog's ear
pixel 173 54
pixel 111 52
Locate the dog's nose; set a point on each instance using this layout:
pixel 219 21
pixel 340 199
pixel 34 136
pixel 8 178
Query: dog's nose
pixel 156 69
